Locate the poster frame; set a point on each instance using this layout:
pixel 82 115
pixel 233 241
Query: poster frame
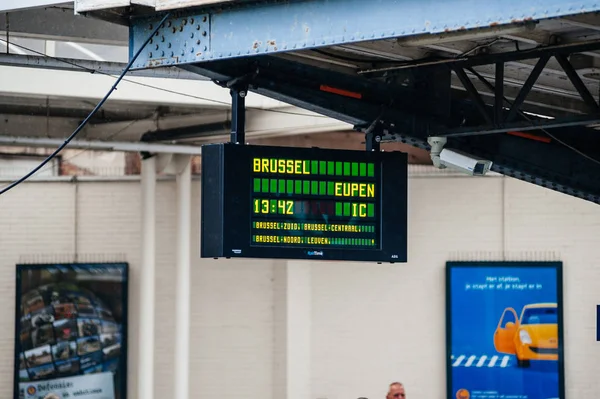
pixel 20 267
pixel 558 268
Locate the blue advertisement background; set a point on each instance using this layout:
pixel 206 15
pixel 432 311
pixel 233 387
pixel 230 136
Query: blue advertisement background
pixel 478 297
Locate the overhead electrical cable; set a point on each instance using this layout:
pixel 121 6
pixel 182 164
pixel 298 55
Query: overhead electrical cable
pixel 86 120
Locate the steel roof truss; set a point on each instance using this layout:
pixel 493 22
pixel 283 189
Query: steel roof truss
pixel 518 149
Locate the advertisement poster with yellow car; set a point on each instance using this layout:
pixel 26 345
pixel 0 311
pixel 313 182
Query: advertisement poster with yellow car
pixel 504 330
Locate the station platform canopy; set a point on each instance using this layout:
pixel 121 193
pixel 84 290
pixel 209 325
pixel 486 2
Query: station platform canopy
pixel 512 81
pixel 55 65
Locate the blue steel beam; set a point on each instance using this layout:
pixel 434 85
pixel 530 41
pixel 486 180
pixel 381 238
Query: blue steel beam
pixel 241 30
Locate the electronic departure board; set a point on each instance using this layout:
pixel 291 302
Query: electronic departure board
pixel 303 203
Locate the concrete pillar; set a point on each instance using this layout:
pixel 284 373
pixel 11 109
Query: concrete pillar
pixel 292 298
pixel 145 377
pixel 182 289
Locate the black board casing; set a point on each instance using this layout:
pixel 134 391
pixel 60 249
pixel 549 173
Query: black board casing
pixel 226 204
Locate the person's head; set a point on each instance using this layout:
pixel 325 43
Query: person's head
pixel 396 391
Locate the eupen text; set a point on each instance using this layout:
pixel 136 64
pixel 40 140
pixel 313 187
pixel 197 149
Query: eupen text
pixel 355 189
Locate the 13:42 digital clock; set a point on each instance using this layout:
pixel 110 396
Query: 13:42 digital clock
pixel 265 206
pixel 303 203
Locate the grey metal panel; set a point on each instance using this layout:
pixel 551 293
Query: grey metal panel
pixel 14 5
pixel 93 5
pixel 60 24
pixel 110 68
pixel 177 4
pixel 103 145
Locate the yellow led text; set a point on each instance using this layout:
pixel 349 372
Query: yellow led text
pixel 280 239
pixel 359 210
pixel 354 189
pixel 281 166
pixel 292 240
pixel 345 228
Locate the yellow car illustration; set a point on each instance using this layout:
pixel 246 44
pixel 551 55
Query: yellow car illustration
pixel 533 336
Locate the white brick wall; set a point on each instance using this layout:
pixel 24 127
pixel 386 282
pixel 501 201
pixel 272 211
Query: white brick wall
pixel 109 223
pixel 386 322
pixel 232 315
pixel 369 324
pixel 34 219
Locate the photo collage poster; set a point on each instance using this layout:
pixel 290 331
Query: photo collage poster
pixel 71 331
pixel 504 330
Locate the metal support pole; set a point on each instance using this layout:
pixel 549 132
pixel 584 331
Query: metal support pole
pixel 499 93
pixel 373 136
pixel 7 34
pixel 373 141
pixel 238 115
pixel 533 76
pixel 535 124
pixel 147 293
pixel 583 91
pixel 472 91
pixel 182 289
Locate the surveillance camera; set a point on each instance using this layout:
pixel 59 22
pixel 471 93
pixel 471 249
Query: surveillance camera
pixel 446 158
pixel 463 162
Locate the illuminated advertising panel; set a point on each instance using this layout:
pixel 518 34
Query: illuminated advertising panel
pixel 71 331
pixel 504 330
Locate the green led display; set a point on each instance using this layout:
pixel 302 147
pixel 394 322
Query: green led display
pixel 314 203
